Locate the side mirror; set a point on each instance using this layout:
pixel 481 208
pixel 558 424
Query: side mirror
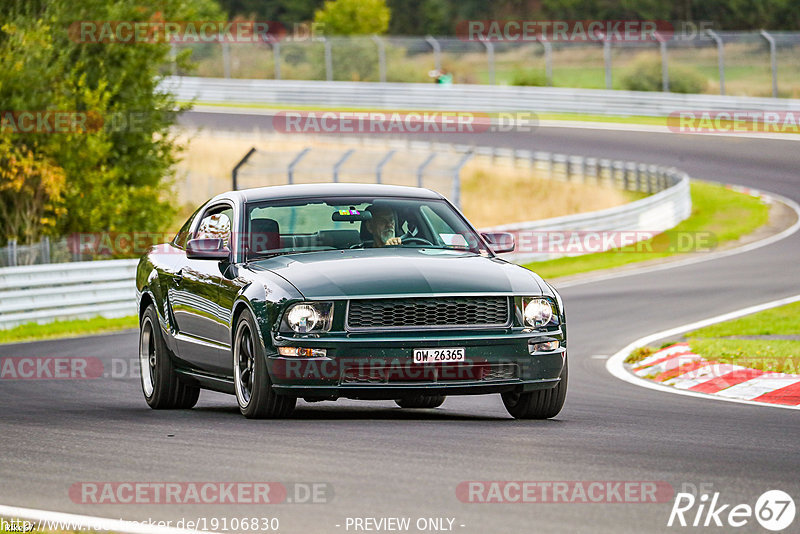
pixel 207 248
pixel 500 241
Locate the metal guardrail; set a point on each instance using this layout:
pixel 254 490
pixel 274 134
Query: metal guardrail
pixel 43 293
pixel 475 98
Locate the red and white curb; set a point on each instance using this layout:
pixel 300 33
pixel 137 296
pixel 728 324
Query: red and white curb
pixel 677 366
pixel 709 380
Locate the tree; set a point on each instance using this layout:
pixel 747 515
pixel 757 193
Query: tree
pixel 118 169
pixel 353 17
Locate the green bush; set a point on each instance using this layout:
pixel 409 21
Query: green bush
pixel 645 75
pixel 535 78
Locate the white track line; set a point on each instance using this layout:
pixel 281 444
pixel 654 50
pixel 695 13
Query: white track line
pixel 702 257
pixel 62 521
pixel 615 365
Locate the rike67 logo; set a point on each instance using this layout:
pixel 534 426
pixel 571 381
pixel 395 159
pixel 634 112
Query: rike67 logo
pixel 774 510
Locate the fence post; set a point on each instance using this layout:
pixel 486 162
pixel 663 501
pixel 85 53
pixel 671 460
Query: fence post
pixel 548 60
pixel 235 171
pixel 294 162
pixel 437 51
pixel 45 245
pixel 173 59
pixel 421 168
pixel 607 61
pixel 226 59
pixel 720 58
pixel 381 164
pixel 490 58
pixel 12 252
pixel 381 57
pixel 276 54
pixel 457 178
pixel 339 163
pixel 662 45
pixel 328 59
pixel 773 62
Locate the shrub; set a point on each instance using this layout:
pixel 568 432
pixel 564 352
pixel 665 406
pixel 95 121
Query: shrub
pixel 645 75
pixel 535 78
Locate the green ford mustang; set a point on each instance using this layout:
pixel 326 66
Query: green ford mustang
pixel 345 290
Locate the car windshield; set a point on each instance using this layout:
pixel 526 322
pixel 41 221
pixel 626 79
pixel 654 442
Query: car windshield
pixel 337 223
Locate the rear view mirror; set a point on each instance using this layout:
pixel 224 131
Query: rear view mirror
pixel 500 241
pixel 207 248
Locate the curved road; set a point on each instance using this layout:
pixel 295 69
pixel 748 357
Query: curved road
pixel 385 462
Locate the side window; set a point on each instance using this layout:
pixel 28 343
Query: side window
pixel 217 222
pixel 183 234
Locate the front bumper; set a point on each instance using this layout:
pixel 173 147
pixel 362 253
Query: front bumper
pixel 380 366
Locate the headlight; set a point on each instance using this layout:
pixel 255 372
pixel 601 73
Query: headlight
pixel 537 312
pixel 309 317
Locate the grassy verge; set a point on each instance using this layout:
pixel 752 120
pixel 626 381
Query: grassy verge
pixel 720 342
pixel 61 329
pixel 717 212
pixel 723 342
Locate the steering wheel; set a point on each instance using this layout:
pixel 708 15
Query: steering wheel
pixel 407 238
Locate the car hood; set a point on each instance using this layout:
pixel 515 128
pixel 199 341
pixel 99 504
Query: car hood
pixel 375 272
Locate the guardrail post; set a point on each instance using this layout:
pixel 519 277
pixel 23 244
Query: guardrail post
pixel 604 171
pixel 328 59
pixel 490 58
pixel 45 246
pixel 437 51
pixel 607 61
pixel 773 62
pixel 381 164
pixel 226 59
pixel 235 171
pixel 293 164
pixel 720 58
pixel 421 168
pixel 12 252
pixel 339 163
pixel 381 57
pixel 457 178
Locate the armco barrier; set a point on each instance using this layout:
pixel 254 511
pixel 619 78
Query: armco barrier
pixel 42 293
pixel 475 98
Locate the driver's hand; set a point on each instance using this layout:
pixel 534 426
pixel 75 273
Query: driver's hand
pixel 393 241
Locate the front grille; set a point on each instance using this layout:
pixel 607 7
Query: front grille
pixel 439 312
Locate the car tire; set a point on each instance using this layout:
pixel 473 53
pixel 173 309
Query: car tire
pixel 539 404
pixel 254 393
pixel 421 401
pixel 163 389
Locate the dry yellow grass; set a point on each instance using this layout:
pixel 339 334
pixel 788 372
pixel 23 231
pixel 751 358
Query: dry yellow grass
pixel 492 193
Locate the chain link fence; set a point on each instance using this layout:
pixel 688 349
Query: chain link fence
pixel 733 63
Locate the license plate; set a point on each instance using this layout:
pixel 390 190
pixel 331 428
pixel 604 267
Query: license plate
pixel 438 355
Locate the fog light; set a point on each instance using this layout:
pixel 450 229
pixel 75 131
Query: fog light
pixel 547 346
pixel 300 352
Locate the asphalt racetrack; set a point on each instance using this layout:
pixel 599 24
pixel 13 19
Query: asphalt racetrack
pixel 381 461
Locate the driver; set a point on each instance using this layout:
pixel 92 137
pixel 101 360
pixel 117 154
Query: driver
pixel 381 226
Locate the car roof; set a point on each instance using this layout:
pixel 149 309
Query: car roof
pixel 280 192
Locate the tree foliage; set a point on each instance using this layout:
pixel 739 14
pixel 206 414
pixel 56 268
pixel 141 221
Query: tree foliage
pixel 439 17
pixel 353 17
pixel 116 171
